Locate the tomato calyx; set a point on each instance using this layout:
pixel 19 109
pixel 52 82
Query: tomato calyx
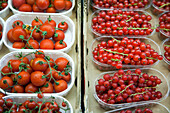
pixel 56 35
pixel 61 42
pixel 63 22
pixel 49 19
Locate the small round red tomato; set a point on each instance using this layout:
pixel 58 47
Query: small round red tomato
pixel 36 22
pixel 47 88
pixel 51 21
pixel 17 33
pixel 66 77
pixel 36 9
pixel 63 25
pixel 5 70
pixel 4 4
pixel 5 82
pixel 18 45
pixel 15 65
pixel 1 95
pixel 39 64
pixel 24 60
pixel 61 63
pixel 40 95
pixel 9 36
pixel 17 23
pixel 68 5
pixel 47 44
pixel 38 78
pixel 42 4
pixel 39 54
pixel 60 45
pixel 32 44
pixel 57 76
pixel 47 72
pixel 25 8
pixel 49 29
pixel 17 89
pixel 59 4
pixel 30 88
pixel 60 85
pixel 9 102
pixel 30 2
pixel 18 3
pixel 23 78
pixel 51 10
pixel 36 35
pixel 59 35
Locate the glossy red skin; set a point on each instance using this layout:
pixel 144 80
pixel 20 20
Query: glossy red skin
pixel 42 4
pixel 25 8
pixel 18 3
pixel 59 4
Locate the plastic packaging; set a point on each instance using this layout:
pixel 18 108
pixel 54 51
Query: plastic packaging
pixel 2 22
pixel 66 13
pixel 106 67
pixel 156 10
pixel 96 34
pixel 27 19
pixel 163 87
pixel 22 98
pixel 4 12
pixel 154 106
pixel 166 41
pixel 53 55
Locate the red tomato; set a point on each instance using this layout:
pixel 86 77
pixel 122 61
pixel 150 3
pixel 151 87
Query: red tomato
pixel 60 86
pixel 63 25
pixel 1 27
pixel 39 54
pixel 51 10
pixel 18 3
pixel 5 70
pixel 17 23
pixel 25 8
pixel 17 89
pixel 36 35
pixel 47 88
pixel 59 4
pixel 36 9
pixel 51 21
pixel 30 88
pixel 39 64
pixel 33 44
pixel 15 65
pixel 47 44
pixel 5 81
pixel 42 4
pixel 36 22
pixel 68 5
pixel 49 29
pixel 17 32
pixel 61 63
pixel 37 78
pixel 30 2
pixel 4 4
pixel 18 45
pixel 9 35
pixel 23 78
pixel 60 45
pixel 59 35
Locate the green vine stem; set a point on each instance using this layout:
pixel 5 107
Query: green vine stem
pixel 164 5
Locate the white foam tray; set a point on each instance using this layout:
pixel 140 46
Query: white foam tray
pixel 53 55
pixel 2 22
pixel 27 19
pixel 65 12
pixel 22 98
pixel 4 12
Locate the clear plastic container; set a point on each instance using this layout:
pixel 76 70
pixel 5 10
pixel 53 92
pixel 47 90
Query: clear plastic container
pixel 65 12
pixel 2 22
pixel 162 34
pixel 166 41
pixel 96 34
pixel 27 19
pixel 53 55
pixel 106 67
pixel 22 98
pixel 4 12
pixel 94 7
pixel 154 106
pixel 163 87
pixel 156 10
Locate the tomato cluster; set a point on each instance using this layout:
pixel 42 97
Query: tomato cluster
pixel 164 23
pixel 167 51
pixel 118 22
pixel 127 87
pixel 1 29
pixel 32 106
pixel 3 4
pixel 46 6
pixel 41 73
pixel 146 110
pixel 125 51
pixel 162 4
pixel 28 36
pixel 114 4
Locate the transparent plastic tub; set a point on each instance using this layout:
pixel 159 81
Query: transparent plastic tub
pixel 162 34
pixel 22 98
pixel 156 10
pixel 154 106
pixel 106 67
pixel 94 7
pixel 163 87
pixel 96 34
pixel 2 22
pixel 166 41
pixel 27 19
pixel 54 55
pixel 66 12
pixel 4 12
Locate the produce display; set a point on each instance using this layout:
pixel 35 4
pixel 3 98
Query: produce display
pixel 1 29
pixel 113 4
pixel 125 51
pixel 3 4
pixel 44 6
pixel 43 105
pixel 127 87
pixel 146 110
pixel 117 23
pixel 162 4
pixel 47 35
pixel 40 74
pixel 167 51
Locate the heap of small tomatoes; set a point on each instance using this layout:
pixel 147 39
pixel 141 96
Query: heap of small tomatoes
pixel 38 35
pixel 3 4
pixel 46 6
pixel 1 29
pixel 45 105
pixel 39 74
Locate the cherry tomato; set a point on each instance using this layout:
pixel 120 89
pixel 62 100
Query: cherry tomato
pixel 39 64
pixel 9 36
pixel 68 5
pixel 18 3
pixel 1 95
pixel 17 23
pixel 40 95
pixel 60 85
pixel 30 88
pixel 4 4
pixel 5 70
pixel 42 4
pixel 38 78
pixel 36 22
pixel 36 35
pixel 47 72
pixel 23 78
pixel 17 89
pixel 36 9
pixel 30 2
pixel 15 65
pixel 59 35
pixel 5 81
pixel 47 44
pixel 25 8
pixel 51 21
pixel 63 104
pixel 60 45
pixel 49 29
pixel 17 32
pixel 63 25
pixel 57 76
pixel 66 77
pixel 59 4
pixel 47 88
pixel 61 63
pixel 24 60
pixel 39 54
pixel 51 10
pixel 33 44
pixel 18 45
